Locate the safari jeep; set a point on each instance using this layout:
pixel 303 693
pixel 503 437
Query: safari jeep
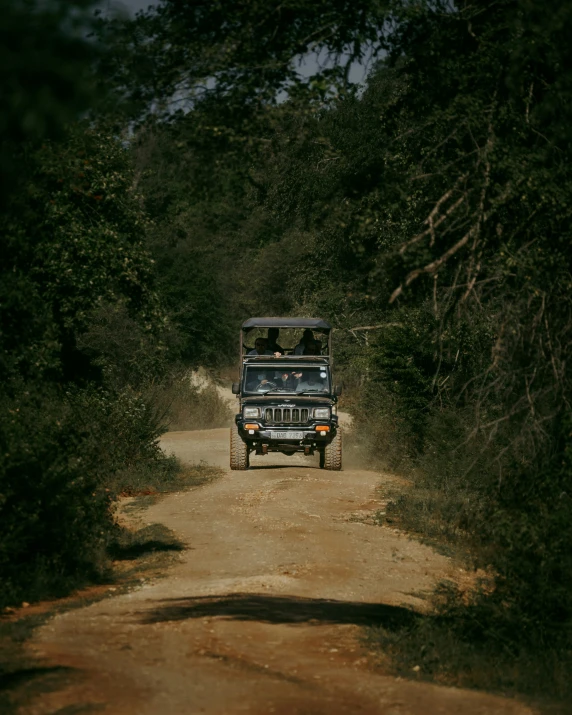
pixel 287 403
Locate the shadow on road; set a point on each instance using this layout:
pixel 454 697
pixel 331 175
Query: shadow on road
pixel 129 545
pixel 254 467
pixel 14 678
pixel 23 688
pixel 282 609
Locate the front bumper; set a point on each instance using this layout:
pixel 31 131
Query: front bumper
pixel 265 434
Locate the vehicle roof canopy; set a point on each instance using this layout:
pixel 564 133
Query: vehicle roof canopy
pixel 308 359
pixel 312 323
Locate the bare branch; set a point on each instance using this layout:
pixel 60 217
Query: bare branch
pixel 431 218
pixel 434 265
pixel 377 327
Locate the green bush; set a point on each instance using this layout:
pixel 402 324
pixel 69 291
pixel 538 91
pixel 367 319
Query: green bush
pixel 59 454
pixel 54 505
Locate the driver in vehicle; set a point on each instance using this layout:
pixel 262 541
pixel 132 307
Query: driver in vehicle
pixel 260 382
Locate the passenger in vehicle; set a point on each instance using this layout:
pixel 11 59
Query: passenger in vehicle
pixel 311 383
pixel 271 341
pixel 311 348
pixel 307 336
pixel 261 347
pixel 288 381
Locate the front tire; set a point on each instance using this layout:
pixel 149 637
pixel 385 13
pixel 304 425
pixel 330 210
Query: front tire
pixel 333 453
pixel 239 456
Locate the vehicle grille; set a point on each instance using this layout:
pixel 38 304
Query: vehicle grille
pixel 286 415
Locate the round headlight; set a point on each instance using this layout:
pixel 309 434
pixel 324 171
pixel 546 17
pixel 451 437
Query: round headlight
pixel 251 412
pixel 322 413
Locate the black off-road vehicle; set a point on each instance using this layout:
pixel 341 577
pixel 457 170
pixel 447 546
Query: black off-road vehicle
pixel 287 402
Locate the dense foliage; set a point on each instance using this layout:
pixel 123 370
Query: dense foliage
pixel 427 213
pixel 73 252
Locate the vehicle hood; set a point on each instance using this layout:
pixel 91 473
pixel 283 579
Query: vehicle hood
pixel 291 400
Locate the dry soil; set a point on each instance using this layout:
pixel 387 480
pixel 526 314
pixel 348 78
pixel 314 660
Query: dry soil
pixel 263 612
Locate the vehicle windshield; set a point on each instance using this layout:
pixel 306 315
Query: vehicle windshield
pixel 283 379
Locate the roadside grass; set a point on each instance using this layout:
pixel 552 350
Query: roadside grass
pixel 456 648
pixel 467 640
pixel 435 518
pixel 185 405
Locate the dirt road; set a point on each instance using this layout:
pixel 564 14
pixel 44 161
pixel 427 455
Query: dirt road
pixel 263 612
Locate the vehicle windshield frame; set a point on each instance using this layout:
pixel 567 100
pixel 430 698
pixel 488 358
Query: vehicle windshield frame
pixel 286 367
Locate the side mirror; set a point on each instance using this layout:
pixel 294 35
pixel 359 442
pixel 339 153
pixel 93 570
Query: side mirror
pixel 338 390
pixel 235 388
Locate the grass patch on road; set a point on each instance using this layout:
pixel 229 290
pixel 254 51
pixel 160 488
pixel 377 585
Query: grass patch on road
pixel 435 521
pixel 163 477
